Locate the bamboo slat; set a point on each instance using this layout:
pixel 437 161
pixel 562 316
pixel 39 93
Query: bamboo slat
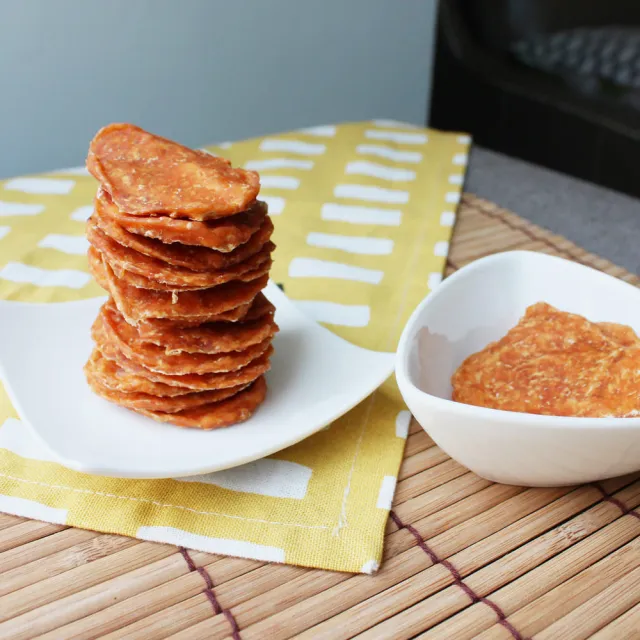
pixel 581 552
pixel 464 558
pixel 609 604
pixel 467 547
pixel 626 626
pixel 26 531
pixel 92 548
pixel 7 520
pixel 526 558
pixel 42 547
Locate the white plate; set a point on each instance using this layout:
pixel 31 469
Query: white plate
pixel 478 305
pixel 315 378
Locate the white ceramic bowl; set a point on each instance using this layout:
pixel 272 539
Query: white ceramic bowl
pixel 478 305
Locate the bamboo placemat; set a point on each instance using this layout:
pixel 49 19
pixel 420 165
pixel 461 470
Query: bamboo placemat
pixel 464 558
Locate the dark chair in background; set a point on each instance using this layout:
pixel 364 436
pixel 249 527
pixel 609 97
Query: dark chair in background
pixel 554 82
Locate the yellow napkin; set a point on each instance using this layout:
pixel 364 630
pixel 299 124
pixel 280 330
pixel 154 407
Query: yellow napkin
pixel 363 215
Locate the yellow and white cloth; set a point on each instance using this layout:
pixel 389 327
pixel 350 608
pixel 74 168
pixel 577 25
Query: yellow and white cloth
pixel 363 215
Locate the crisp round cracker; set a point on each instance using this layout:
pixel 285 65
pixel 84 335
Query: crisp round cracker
pixel 182 255
pixel 137 304
pixel 196 382
pixel 146 174
pixel 165 404
pixel 154 358
pixel 223 235
pixel 199 382
pixel 212 337
pixel 163 330
pixel 141 282
pixel 153 326
pixel 109 374
pixel 139 270
pixel 215 415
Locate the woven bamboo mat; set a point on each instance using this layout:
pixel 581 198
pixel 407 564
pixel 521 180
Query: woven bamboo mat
pixel 464 558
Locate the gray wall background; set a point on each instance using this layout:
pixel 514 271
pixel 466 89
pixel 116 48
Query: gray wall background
pixel 202 71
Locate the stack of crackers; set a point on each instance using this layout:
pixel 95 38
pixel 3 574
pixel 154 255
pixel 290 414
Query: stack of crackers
pixel 182 246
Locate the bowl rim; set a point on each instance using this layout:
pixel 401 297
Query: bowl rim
pixel 499 415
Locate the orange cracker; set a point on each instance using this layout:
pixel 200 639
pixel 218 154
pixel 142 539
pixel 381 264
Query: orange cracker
pixel 156 359
pixel 163 331
pixel 165 404
pixel 142 271
pixel 188 256
pixel 145 175
pixel 137 304
pixel 215 415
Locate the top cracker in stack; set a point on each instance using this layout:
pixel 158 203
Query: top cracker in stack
pixel 182 246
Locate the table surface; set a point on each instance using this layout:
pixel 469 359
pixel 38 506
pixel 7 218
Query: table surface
pixel 602 221
pixel 463 557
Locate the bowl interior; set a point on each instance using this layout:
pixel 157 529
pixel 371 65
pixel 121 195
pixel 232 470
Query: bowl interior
pixel 481 302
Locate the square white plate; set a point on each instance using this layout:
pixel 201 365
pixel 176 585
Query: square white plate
pixel 315 378
pixel 479 304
